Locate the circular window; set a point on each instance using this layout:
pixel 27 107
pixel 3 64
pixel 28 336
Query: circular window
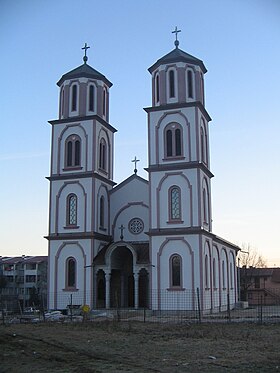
pixel 136 226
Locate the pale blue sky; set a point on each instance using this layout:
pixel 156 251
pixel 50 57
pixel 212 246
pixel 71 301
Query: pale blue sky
pixel 239 44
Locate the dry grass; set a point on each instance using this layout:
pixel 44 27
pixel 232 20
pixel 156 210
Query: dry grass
pixel 138 347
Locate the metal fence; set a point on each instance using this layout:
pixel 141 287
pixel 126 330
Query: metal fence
pixel 164 306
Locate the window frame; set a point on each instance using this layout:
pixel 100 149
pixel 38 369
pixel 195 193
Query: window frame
pixel 103 155
pixel 172 219
pixel 171 139
pixel 173 286
pixel 74 101
pixel 68 284
pixel 68 211
pixel 72 159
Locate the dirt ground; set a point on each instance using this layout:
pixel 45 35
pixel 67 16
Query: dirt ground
pixel 138 347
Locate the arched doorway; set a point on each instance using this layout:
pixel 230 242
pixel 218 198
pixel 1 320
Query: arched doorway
pixel 122 279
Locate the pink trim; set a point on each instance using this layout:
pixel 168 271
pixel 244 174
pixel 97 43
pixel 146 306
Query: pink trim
pixel 124 208
pixel 171 286
pixel 56 268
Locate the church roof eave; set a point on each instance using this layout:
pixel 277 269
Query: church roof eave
pixel 84 71
pixel 177 55
pixel 126 181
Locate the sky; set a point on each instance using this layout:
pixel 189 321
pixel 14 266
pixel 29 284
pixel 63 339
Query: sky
pixel 238 41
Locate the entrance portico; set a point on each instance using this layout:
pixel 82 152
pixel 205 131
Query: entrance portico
pixel 121 273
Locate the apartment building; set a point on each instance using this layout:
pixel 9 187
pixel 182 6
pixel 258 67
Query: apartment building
pixel 23 278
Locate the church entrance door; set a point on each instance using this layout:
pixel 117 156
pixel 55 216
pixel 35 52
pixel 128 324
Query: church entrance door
pixel 122 279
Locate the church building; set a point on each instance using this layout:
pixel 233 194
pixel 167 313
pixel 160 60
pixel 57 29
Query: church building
pixel 141 243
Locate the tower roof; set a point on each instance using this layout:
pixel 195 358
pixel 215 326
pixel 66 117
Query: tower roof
pixel 84 71
pixel 177 55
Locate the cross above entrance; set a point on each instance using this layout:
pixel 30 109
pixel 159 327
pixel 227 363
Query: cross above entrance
pixel 122 229
pixel 85 48
pixel 176 32
pixel 135 160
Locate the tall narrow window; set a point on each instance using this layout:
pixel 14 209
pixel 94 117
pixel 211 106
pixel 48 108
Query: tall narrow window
pixel 175 203
pixel 69 153
pixel 157 88
pixel 104 101
pixel 169 149
pixel 231 276
pixel 173 140
pixel 206 272
pixel 62 103
pixel 223 274
pixel 70 273
pixel 74 97
pixel 202 145
pixel 205 220
pixel 101 212
pixel 178 150
pixel 72 210
pixel 171 84
pixel 214 274
pixel 102 154
pixel 77 152
pixel 73 151
pixel 91 98
pixel 190 84
pixel 176 269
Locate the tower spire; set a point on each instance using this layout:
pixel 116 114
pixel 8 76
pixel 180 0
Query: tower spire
pixel 176 32
pixel 85 56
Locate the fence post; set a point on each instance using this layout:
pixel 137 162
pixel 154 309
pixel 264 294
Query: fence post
pixel 261 310
pixel 71 307
pixel 228 307
pixel 198 305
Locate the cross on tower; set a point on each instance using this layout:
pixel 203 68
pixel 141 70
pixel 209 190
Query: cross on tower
pixel 135 160
pixel 176 32
pixel 121 229
pixel 85 48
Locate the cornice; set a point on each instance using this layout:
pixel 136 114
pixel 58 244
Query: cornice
pixel 80 175
pixel 78 235
pixel 81 119
pixel 180 105
pixel 180 166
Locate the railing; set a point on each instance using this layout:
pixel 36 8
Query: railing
pixel 163 306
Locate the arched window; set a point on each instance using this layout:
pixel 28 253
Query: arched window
pixel 202 87
pixel 176 271
pixel 231 275
pixel 206 272
pixel 104 101
pixel 205 215
pixel 190 84
pixel 214 274
pixel 173 140
pixel 62 103
pixel 175 203
pixel 157 88
pixel 101 212
pixel 202 145
pixel 91 98
pixel 102 154
pixel 73 151
pixel 171 84
pixel 71 211
pixel 70 273
pixel 223 275
pixel 74 97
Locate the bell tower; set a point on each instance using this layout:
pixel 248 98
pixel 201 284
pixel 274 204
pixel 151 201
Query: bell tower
pixel 81 177
pixel 179 168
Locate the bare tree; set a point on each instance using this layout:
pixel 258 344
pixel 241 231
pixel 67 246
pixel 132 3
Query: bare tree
pixel 249 257
pixel 248 260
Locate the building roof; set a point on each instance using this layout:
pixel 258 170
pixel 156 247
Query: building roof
pixel 263 272
pixel 23 259
pixel 177 55
pixel 84 71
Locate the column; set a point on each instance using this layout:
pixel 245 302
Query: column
pixel 107 288
pixel 136 289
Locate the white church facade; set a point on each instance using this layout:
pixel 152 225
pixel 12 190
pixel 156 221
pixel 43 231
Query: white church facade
pixel 141 243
